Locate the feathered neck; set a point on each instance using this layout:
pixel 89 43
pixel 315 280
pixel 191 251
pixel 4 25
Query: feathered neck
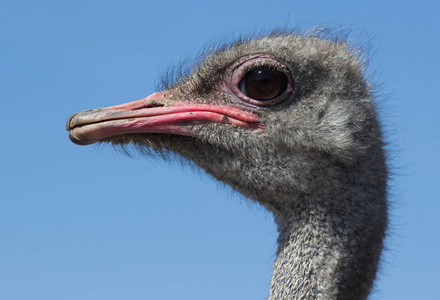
pixel 327 251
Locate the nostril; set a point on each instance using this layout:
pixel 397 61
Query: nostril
pixel 154 104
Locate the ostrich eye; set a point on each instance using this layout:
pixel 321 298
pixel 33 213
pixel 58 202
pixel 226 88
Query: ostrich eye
pixel 260 80
pixel 263 83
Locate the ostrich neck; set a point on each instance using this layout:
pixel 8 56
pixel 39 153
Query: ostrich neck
pixel 302 270
pixel 331 221
pixel 321 257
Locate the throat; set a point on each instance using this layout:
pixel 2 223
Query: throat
pixel 323 255
pixel 306 266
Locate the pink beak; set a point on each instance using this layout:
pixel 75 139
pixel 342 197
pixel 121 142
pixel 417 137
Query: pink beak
pixel 154 114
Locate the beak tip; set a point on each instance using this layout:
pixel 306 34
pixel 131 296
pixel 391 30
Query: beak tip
pixel 69 122
pixel 78 141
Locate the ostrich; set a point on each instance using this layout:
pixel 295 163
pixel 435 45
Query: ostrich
pixel 288 120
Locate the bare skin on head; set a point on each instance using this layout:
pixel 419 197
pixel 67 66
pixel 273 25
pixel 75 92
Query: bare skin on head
pixel 289 122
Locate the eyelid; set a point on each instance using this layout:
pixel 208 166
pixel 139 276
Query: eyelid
pixel 237 71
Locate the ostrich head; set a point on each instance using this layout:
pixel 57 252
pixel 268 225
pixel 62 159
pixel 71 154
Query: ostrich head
pixel 288 121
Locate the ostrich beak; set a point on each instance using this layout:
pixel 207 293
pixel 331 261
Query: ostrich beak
pixel 153 114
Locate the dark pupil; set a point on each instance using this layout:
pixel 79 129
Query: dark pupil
pixel 264 84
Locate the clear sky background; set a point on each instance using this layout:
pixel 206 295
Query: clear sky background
pixel 92 223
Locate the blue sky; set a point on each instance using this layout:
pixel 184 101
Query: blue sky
pixel 92 223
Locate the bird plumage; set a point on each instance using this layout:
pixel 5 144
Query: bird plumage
pixel 289 121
